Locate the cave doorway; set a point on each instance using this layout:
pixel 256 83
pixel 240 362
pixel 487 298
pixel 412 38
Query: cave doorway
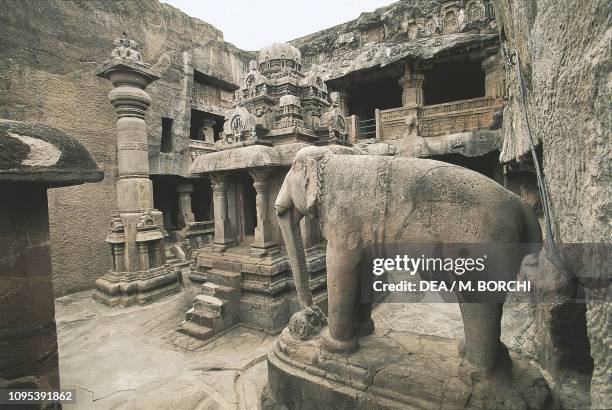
pixel 382 92
pixel 202 200
pixel 454 80
pixel 165 199
pixel 248 206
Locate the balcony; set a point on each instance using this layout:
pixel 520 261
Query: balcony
pixel 428 121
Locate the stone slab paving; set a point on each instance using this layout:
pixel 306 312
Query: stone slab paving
pixel 133 358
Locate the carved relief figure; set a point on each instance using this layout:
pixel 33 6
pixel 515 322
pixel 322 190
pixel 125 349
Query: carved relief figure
pixel 363 202
pixel 413 30
pixel 474 10
pixel 450 21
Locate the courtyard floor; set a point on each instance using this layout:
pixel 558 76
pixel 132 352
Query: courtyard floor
pixel 135 359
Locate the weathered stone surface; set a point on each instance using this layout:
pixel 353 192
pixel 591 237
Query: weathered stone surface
pixel 50 52
pixel 32 153
pixel 253 156
pixel 33 158
pixel 396 371
pixel 564 49
pixel 404 29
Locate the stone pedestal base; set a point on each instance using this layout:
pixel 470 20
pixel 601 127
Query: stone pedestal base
pixel 398 371
pixel 137 288
pixel 243 288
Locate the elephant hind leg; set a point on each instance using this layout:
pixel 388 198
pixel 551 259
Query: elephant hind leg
pixel 482 328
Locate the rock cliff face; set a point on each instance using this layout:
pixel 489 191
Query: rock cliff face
pixel 416 28
pixel 564 48
pixel 50 52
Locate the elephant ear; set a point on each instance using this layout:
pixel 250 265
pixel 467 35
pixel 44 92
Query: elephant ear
pixel 313 186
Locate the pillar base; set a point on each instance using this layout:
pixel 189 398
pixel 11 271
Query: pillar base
pixel 265 249
pixel 222 245
pixel 397 372
pixel 123 289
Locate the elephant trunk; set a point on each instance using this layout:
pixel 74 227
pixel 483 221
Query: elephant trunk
pixel 289 222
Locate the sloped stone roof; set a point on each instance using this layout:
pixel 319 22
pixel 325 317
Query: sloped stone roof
pixel 34 153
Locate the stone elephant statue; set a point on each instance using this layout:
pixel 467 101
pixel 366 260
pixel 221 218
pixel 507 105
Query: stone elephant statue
pixel 364 201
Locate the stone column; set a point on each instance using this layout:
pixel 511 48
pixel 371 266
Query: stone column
pixel 186 215
pixel 412 98
pixel 494 76
pixel 136 226
pixel 263 242
pixel 207 133
pixel 224 236
pixel 412 88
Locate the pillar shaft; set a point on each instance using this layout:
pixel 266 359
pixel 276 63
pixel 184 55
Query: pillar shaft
pixel 264 229
pixel 224 236
pixel 412 88
pixel 134 188
pixel 184 203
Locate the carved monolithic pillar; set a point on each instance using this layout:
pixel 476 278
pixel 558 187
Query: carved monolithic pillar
pixel 184 203
pixel 494 76
pixel 412 98
pixel 223 227
pixel 412 88
pixel 139 274
pixel 263 242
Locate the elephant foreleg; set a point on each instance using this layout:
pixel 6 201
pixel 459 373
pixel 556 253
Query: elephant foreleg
pixel 343 299
pixel 365 324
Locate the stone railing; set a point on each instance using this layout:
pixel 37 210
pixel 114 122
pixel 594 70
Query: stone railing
pixel 435 120
pixel 394 123
pixel 197 147
pixel 455 117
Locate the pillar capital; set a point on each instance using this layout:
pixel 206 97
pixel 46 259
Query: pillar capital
pixel 130 75
pixel 184 188
pixel 260 175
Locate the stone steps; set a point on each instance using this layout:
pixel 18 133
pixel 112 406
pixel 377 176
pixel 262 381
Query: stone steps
pixel 216 308
pixel 194 330
pixel 220 291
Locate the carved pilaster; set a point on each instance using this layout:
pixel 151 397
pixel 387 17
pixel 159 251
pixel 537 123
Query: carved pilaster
pixel 263 241
pixel 494 76
pixel 224 236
